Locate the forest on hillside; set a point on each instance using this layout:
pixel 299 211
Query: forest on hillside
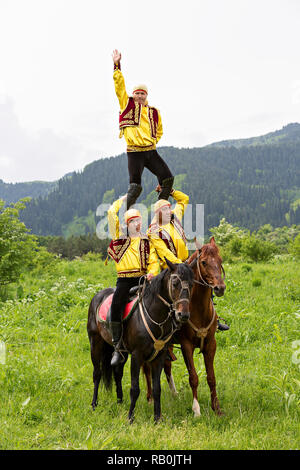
pixel 250 186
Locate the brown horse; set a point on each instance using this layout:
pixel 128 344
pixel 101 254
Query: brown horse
pixel 199 331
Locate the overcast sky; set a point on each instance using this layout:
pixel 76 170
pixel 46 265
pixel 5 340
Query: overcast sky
pixel 216 69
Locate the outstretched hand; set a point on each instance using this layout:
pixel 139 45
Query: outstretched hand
pixel 116 55
pixel 158 188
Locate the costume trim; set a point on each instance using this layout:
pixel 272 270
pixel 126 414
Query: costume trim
pixel 117 248
pixel 136 148
pixel 135 273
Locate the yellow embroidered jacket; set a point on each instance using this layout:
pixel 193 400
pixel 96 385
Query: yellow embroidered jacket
pixel 133 257
pixel 169 239
pixel 138 138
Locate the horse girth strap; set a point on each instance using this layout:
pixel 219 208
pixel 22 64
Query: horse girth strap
pixel 158 343
pixel 202 332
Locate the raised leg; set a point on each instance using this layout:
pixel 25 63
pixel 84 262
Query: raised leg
pixel 188 351
pixel 209 354
pixel 135 386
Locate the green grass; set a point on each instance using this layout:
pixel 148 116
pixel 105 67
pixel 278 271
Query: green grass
pixel 46 380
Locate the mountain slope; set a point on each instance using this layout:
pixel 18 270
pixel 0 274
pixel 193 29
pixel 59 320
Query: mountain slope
pixel 250 185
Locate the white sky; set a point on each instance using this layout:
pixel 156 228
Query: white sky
pixel 216 69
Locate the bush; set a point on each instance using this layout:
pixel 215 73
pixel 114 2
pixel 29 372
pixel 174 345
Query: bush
pixel 294 246
pixel 257 250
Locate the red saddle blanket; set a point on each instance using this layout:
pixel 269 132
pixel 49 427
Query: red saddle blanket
pixel 104 308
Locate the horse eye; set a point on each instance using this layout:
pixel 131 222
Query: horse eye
pixel 203 263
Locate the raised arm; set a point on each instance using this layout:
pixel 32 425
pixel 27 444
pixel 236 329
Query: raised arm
pixel 119 80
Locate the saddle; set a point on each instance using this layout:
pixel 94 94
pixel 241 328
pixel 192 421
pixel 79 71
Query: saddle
pixel 104 309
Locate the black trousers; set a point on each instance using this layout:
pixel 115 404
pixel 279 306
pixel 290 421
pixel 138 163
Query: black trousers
pixel 121 296
pixel 150 159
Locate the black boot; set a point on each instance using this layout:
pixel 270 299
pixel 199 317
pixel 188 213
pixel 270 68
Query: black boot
pixel 116 331
pixel 166 188
pixel 134 190
pixel 222 326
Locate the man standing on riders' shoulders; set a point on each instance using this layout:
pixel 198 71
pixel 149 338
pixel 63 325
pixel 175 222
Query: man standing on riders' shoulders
pixel 167 234
pixel 141 126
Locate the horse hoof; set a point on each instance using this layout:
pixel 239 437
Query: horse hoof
pixel 94 405
pixel 158 419
pixel 150 400
pixel 196 408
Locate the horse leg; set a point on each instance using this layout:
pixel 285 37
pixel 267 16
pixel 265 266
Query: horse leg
pixel 209 354
pixel 135 386
pixel 118 375
pixel 188 351
pixel 169 376
pixel 156 369
pixel 96 346
pixel 147 372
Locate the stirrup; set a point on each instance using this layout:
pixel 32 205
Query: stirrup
pixel 117 358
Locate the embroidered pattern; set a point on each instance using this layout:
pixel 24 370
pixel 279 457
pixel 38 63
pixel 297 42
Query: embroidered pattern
pixel 117 248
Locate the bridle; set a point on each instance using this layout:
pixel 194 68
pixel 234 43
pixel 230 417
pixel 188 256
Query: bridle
pixel 202 332
pixel 159 343
pixel 202 281
pixel 184 286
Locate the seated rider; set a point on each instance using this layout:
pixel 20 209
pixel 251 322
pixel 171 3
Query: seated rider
pixel 134 257
pixel 167 234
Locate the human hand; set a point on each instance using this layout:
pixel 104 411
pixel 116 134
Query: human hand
pixel 150 276
pixel 158 188
pixel 116 55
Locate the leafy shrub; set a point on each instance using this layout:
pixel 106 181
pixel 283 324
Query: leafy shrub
pixel 257 250
pixel 294 246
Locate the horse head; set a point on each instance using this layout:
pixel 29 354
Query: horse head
pixel 180 283
pixel 209 266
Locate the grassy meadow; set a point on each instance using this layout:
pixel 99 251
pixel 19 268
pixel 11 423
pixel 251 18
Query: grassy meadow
pixel 46 373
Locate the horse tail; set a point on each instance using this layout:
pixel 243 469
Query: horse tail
pixel 105 367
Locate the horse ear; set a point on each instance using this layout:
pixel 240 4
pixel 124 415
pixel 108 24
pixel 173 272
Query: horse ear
pixel 171 266
pixel 212 241
pixel 198 246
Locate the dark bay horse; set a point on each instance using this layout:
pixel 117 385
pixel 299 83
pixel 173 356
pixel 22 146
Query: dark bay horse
pixel 199 331
pixel 162 308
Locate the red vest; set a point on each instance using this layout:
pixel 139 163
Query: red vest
pixel 118 247
pixel 131 116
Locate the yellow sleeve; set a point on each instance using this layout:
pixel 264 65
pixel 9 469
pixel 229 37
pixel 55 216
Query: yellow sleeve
pixel 120 88
pixel 182 201
pixel 153 265
pixel 159 131
pixel 162 250
pixel 113 219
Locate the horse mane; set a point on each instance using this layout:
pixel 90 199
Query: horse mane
pixel 207 250
pixel 154 286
